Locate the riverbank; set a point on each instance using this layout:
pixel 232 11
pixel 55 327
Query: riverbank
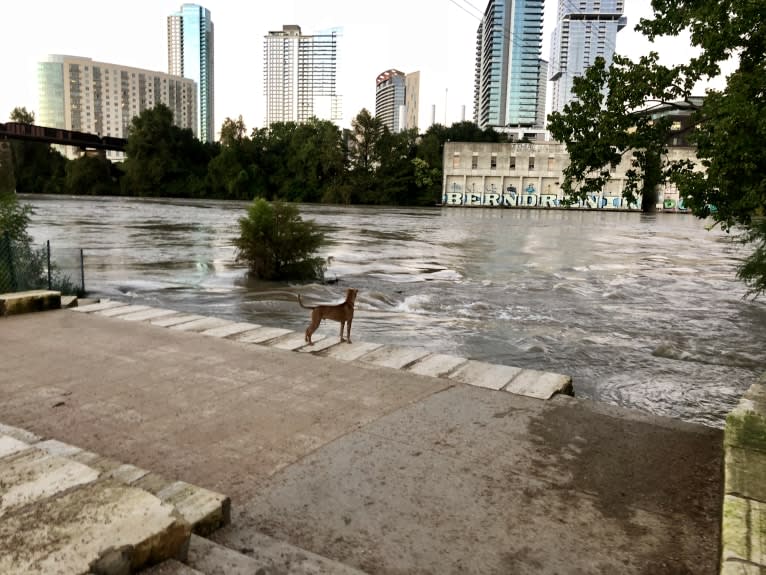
pixel 381 469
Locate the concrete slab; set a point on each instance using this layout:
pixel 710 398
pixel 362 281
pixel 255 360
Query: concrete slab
pixel 18 433
pixel 10 445
pixel 319 345
pixel 58 448
pixel 151 313
pixel 29 301
pixel 436 364
pixel 744 530
pixel 102 305
pixel 260 554
pixel 394 356
pixel 262 334
pixel 230 329
pixel 68 301
pixel 177 319
pixel 539 384
pixel 200 324
pixel 294 341
pixel 203 509
pixel 350 351
pixel 102 527
pixel 122 310
pixel 483 374
pixel 171 567
pixel 32 475
pixel 127 473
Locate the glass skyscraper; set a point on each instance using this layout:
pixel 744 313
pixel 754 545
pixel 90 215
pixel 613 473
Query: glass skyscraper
pixel 508 87
pixel 396 99
pixel 190 54
pixel 584 31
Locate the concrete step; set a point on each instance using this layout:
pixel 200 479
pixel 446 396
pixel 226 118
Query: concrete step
pixel 261 554
pixel 61 516
pixel 171 567
pixel 29 301
pixel 110 517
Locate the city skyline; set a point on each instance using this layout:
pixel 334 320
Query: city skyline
pixel 443 51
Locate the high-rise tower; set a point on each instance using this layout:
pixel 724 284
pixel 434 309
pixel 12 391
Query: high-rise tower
pixel 190 54
pixel 299 76
pixel 507 87
pixel 584 31
pixel 396 99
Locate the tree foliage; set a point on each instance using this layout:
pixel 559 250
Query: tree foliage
pixel 38 168
pixel 277 244
pixel 608 120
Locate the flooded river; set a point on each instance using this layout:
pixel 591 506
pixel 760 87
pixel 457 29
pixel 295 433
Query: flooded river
pixel 642 311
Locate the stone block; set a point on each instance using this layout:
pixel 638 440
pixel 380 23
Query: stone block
pixel 394 356
pixel 147 314
pixel 18 433
pixel 68 301
pixel 29 301
pixel 745 473
pixel 177 319
pixel 294 341
pixel 122 310
pixel 32 475
pixel 350 351
pixel 743 530
pixel 59 448
pixel 100 306
pixel 539 384
pixel 481 374
pixel 746 429
pixel 319 345
pixel 102 527
pixel 733 567
pixel 230 329
pixel 436 364
pixel 203 509
pixel 200 324
pixel 10 446
pixel 262 334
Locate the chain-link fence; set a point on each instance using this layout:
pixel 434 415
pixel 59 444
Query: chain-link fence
pixel 27 267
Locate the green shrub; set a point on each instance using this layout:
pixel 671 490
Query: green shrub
pixel 277 244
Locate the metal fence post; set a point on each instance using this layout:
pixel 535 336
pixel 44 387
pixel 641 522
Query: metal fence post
pixel 48 246
pixel 82 272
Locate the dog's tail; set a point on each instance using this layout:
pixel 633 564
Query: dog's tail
pixel 300 303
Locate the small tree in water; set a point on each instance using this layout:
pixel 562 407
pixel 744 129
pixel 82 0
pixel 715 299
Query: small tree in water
pixel 277 244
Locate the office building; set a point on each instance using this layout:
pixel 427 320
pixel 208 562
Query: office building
pixel 190 54
pixel 396 99
pixel 299 76
pixel 507 81
pixel 584 31
pixel 99 98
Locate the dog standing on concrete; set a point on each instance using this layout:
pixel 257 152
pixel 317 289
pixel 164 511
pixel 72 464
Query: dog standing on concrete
pixel 342 312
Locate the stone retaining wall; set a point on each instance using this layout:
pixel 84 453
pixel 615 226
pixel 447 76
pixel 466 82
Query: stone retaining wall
pixel 743 533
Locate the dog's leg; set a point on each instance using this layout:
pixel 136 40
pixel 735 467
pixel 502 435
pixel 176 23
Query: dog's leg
pixel 342 323
pixel 315 321
pixel 348 330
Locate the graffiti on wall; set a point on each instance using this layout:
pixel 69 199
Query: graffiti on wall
pixel 529 197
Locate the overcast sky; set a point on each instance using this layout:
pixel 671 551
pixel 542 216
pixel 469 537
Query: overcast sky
pixel 435 37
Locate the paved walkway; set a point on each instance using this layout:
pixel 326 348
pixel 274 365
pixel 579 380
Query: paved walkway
pixel 377 467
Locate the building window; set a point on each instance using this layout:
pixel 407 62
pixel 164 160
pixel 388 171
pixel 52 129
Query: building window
pixel 474 162
pixel 531 163
pixel 456 160
pixel 493 162
pixel 551 164
pixel 512 163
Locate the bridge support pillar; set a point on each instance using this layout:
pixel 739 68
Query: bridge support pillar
pixel 7 177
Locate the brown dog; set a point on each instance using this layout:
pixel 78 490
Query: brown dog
pixel 342 312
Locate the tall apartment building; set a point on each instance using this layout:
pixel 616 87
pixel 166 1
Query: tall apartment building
pixel 190 54
pixel 396 99
pixel 508 84
pixel 584 31
pixel 299 76
pixel 99 98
